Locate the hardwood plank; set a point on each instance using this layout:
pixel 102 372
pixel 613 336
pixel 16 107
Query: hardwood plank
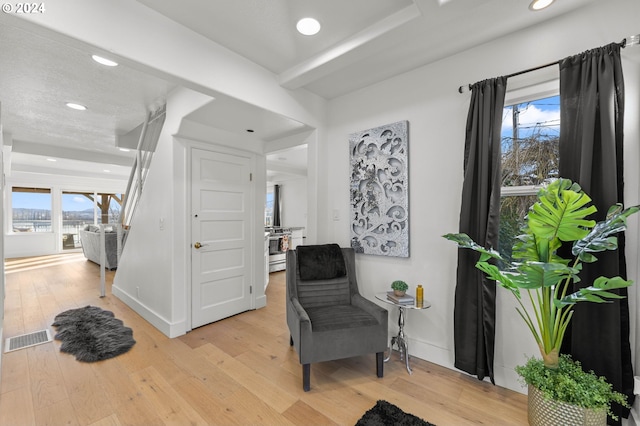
pixel 301 413
pixel 16 373
pixel 209 404
pixel 111 420
pixel 85 391
pixel 60 413
pixel 255 409
pixel 45 376
pixel 277 398
pixel 167 403
pixel 216 381
pixel 122 393
pixel 16 406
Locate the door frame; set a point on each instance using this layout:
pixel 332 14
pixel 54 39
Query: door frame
pixel 190 146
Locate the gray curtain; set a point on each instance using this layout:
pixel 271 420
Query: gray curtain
pixel 474 309
pixel 591 153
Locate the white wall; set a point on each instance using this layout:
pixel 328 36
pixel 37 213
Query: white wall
pixel 294 201
pixel 631 63
pixel 429 100
pixel 2 291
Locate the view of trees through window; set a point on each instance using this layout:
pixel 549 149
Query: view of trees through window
pixel 529 142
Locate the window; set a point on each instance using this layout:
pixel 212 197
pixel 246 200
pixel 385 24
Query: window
pixel 77 211
pixel 268 209
pixel 80 209
pixel 109 208
pixel 530 136
pixel 31 209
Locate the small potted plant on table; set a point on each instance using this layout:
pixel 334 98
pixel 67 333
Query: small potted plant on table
pixel 399 288
pixel 558 217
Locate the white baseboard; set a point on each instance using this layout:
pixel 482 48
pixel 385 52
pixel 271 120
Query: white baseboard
pixel 261 302
pixel 169 329
pixel 504 377
pixel 429 352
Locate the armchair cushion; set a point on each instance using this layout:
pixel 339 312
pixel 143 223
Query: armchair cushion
pixel 325 318
pixel 321 262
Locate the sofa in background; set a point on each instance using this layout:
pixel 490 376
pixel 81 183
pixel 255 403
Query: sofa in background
pixel 90 239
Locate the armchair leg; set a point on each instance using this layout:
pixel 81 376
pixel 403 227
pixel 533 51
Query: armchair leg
pixel 380 363
pixel 290 340
pixel 306 377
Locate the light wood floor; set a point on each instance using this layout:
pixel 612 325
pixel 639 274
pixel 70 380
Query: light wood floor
pixel 238 371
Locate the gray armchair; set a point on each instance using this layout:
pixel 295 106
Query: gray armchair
pixel 328 319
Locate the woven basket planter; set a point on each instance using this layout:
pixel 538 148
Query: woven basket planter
pixel 544 412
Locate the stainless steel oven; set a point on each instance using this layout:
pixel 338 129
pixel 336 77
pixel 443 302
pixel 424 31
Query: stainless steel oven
pixel 279 239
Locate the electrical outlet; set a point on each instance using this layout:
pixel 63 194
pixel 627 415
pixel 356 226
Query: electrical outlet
pixel 138 292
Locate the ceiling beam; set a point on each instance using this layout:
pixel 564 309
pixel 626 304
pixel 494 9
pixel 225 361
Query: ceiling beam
pixel 52 151
pixel 346 52
pixel 25 168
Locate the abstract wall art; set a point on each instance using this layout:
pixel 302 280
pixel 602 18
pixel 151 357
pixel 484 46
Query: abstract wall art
pixel 380 190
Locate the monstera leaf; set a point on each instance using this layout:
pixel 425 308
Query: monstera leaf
pixel 559 215
pixel 598 292
pixel 602 236
pixel 560 212
pixel 533 275
pixel 465 241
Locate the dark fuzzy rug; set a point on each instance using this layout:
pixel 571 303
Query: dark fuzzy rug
pixel 385 413
pixel 92 334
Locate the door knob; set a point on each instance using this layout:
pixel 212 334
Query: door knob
pixel 197 245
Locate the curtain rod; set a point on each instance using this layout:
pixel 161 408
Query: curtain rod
pixel 629 41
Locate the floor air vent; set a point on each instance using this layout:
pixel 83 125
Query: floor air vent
pixel 26 340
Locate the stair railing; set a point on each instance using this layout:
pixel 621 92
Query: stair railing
pixel 147 144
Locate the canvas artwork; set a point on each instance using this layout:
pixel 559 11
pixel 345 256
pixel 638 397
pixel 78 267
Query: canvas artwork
pixel 380 190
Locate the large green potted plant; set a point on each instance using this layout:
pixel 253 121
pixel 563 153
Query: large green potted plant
pixel 560 216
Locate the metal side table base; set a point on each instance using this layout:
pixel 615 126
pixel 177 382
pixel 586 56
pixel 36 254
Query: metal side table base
pixel 400 342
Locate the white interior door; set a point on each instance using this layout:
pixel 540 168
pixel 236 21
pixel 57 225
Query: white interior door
pixel 221 243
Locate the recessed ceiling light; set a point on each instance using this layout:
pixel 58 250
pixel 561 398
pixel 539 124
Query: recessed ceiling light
pixel 104 61
pixel 540 4
pixel 107 171
pixel 125 149
pixel 308 26
pixel 79 107
pixel 53 160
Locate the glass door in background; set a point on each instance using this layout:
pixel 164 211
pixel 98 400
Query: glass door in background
pixel 77 211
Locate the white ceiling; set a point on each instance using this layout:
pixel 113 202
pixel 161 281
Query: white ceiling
pixel 361 42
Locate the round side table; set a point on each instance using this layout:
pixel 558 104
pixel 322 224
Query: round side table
pixel 400 341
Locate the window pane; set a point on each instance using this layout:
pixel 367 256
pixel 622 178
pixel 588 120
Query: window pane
pixel 513 211
pixel 77 211
pixel 530 135
pixel 109 208
pixel 31 209
pixel 268 211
